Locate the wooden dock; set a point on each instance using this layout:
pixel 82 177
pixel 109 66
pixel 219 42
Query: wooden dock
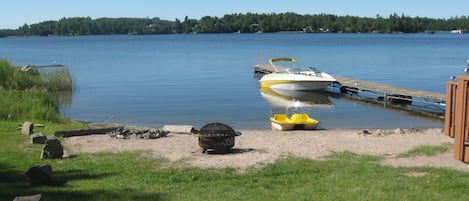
pixel 387 89
pixel 382 90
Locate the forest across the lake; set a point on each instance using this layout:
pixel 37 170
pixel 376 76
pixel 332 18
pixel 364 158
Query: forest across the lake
pixel 243 23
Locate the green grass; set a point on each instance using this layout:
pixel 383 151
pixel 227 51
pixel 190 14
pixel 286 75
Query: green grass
pixel 32 97
pixel 56 79
pixel 137 176
pixel 31 105
pixel 427 150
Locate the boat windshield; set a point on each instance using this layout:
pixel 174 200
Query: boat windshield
pixel 314 69
pixel 309 70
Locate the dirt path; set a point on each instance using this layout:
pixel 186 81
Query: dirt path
pixel 258 147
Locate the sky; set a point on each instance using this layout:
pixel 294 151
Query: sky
pixel 16 13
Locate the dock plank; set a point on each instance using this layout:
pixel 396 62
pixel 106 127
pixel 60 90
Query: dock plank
pixel 389 89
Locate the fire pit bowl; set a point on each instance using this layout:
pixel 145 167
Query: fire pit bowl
pixel 217 136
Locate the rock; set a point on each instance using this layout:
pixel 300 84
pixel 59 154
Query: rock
pixel 136 136
pixel 120 133
pixel 39 174
pixel 36 197
pixel 154 134
pixel 399 131
pixel 38 138
pixel 382 132
pixel 52 149
pixel 149 135
pixel 138 133
pixel 27 128
pixel 365 132
pixel 413 130
pixel 122 136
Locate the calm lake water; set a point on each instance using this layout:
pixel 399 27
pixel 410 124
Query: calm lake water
pixel 156 80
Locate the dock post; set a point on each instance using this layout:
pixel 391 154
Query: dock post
pixel 385 99
pixel 450 110
pixel 461 136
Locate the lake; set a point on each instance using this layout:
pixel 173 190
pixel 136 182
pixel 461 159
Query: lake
pixel 155 80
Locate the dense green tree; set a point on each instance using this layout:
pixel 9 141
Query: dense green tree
pixel 246 23
pixel 7 32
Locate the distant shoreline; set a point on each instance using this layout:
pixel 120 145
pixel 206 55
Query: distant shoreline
pixel 280 32
pixel 242 23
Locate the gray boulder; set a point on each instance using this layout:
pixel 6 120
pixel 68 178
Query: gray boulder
pixel 38 138
pixel 39 174
pixel 36 197
pixel 52 149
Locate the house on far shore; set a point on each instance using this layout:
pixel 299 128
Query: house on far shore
pixel 458 31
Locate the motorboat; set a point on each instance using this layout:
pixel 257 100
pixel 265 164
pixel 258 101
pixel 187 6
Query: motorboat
pixel 294 122
pixel 294 78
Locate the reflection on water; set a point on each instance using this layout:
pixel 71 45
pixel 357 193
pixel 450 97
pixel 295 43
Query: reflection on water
pixel 292 101
pixel 403 110
pixel 65 99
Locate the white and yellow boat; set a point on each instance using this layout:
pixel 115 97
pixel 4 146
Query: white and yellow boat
pixel 296 121
pixel 303 79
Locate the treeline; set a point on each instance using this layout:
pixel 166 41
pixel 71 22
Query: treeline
pixel 244 23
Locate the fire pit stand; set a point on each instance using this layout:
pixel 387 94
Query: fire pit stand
pixel 217 136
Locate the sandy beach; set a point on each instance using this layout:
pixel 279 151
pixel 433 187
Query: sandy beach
pixel 259 147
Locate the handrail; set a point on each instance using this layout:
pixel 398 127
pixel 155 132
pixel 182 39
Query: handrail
pixel 271 61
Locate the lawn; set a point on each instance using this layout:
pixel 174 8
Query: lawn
pixel 139 176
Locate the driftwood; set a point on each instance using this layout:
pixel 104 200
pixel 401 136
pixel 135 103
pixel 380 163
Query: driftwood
pixel 180 129
pixel 89 131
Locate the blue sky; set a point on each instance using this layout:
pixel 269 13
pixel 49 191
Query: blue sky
pixel 15 13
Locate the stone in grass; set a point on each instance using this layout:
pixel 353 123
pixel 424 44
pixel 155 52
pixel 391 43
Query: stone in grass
pixel 52 149
pixel 39 174
pixel 38 138
pixel 27 128
pixel 36 197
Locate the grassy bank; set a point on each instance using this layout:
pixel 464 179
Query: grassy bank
pixel 34 95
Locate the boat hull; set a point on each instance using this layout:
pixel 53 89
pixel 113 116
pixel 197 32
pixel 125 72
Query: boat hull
pixel 287 126
pixel 297 85
pixel 281 127
pixel 295 122
pixel 300 82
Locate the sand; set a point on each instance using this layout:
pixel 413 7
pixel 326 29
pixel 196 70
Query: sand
pixel 260 147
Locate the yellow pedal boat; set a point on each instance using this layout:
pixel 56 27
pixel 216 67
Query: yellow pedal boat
pixel 295 122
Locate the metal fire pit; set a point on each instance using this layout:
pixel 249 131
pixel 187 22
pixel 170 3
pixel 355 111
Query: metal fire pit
pixel 217 136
